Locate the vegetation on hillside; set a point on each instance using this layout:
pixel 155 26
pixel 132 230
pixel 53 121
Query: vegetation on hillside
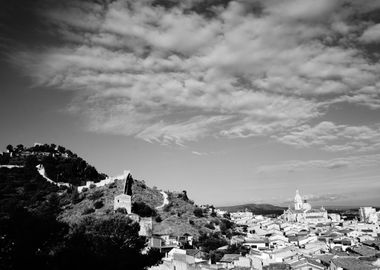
pixel 61 164
pixel 33 234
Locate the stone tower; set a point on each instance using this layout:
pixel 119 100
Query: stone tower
pixel 124 200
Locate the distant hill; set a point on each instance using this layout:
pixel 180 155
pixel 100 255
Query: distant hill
pixel 259 209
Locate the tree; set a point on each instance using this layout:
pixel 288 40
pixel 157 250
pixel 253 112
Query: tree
pixel 9 148
pixel 61 149
pixel 98 204
pixel 227 215
pixel 211 241
pixel 143 210
pixel 198 212
pixel 19 147
pixel 113 243
pixel 31 162
pixel 28 240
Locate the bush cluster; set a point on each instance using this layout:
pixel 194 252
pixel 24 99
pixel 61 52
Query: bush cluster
pixel 143 210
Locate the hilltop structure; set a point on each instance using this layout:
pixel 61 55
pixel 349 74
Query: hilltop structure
pixel 304 213
pixel 124 200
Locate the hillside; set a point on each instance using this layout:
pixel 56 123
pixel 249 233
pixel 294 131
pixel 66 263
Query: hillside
pixel 258 209
pixel 175 218
pixel 25 187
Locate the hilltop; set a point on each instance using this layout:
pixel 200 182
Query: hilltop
pixel 61 164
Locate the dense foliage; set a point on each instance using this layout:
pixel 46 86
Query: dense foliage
pixel 61 164
pixel 24 188
pixel 143 210
pixel 211 241
pixel 198 212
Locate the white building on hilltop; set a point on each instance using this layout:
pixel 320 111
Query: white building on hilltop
pixel 304 213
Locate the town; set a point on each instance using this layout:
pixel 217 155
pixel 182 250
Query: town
pixel 301 238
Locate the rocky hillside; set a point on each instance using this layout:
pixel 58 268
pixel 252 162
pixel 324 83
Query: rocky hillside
pixel 178 217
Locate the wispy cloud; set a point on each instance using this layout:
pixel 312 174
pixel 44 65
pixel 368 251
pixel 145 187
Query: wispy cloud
pixel 181 73
pixel 333 137
pixel 331 164
pixel 320 198
pixel 199 153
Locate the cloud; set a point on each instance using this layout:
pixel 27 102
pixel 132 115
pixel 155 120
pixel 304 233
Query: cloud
pixel 332 137
pixel 360 161
pixel 199 153
pixel 329 197
pixel 178 73
pixel 371 34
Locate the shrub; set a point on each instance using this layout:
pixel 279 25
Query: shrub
pixel 121 211
pixel 158 219
pixel 227 215
pixel 198 212
pixel 98 204
pixel 92 186
pixel 143 210
pixel 96 195
pixel 85 189
pixel 88 211
pixel 210 226
pixel 112 185
pixel 168 207
pixel 191 222
pixel 211 241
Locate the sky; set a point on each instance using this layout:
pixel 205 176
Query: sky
pixel 234 101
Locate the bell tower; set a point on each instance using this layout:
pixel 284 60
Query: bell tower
pixel 298 203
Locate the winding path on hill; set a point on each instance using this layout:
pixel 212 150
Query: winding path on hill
pixel 166 200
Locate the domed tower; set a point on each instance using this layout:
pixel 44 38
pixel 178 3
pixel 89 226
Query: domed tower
pixel 298 203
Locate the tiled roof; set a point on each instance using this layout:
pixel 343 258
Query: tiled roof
pixel 351 263
pixel 230 257
pixel 365 251
pixel 306 261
